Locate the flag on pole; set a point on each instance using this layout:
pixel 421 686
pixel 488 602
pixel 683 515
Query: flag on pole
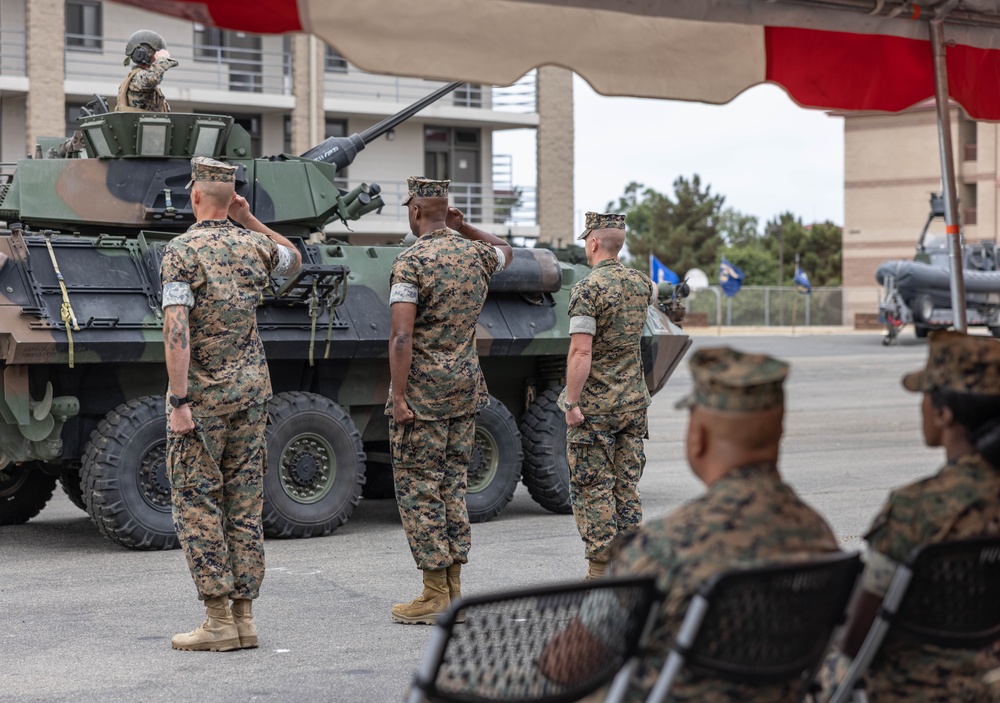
pixel 730 278
pixel 801 281
pixel 660 273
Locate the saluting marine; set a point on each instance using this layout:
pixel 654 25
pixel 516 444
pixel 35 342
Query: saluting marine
pixel 605 399
pixel 437 290
pixel 140 91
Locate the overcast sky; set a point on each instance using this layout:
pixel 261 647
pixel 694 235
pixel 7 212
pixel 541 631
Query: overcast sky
pixel 763 152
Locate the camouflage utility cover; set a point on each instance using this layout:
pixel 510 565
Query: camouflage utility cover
pixel 602 220
pixel 206 170
pixel 958 362
pixel 731 380
pixel 747 518
pixel 611 304
pixel 447 277
pixel 218 271
pixel 417 187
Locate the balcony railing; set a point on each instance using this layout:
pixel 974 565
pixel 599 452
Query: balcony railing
pixel 355 84
pixel 202 66
pixel 12 61
pixel 515 207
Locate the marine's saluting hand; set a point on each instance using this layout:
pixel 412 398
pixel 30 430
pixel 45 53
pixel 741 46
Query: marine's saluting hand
pixel 454 219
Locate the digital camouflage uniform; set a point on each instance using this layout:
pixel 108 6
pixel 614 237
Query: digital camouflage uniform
pixel 446 276
pixel 605 453
pixel 745 519
pixel 216 471
pixel 140 91
pixel 961 501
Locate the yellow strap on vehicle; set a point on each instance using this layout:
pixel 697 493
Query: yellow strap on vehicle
pixel 314 308
pixel 66 311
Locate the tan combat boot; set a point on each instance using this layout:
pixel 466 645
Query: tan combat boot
pixel 455 587
pixel 595 570
pixel 217 634
pixel 425 609
pixel 243 616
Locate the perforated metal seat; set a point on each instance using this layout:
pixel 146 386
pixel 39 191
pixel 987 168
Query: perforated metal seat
pixel 763 625
pixel 529 647
pixel 947 594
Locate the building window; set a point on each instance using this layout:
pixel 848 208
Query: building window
pixel 454 154
pixel 84 25
pixel 334 62
pixel 469 95
pixel 240 51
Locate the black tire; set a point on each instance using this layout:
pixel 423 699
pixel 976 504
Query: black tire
pixel 378 472
pixel 920 331
pixel 316 466
pixel 24 491
pixel 546 469
pixel 995 331
pixel 495 469
pixel 72 485
pixel 124 476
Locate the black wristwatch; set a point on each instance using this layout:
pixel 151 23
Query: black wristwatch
pixel 177 402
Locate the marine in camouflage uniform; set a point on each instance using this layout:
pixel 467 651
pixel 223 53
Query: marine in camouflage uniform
pixel 605 398
pixel 438 287
pixel 747 517
pixel 140 91
pixel 212 279
pixel 960 501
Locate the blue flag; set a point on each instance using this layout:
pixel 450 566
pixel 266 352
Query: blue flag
pixel 660 273
pixel 801 280
pixel 730 278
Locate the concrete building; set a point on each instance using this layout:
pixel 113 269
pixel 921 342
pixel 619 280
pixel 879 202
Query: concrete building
pixel 891 166
pixel 290 92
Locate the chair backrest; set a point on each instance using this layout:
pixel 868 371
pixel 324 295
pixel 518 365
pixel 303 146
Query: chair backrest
pixel 772 623
pixel 549 644
pixel 953 598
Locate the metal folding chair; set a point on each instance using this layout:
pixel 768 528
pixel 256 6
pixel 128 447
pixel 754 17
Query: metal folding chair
pixel 763 625
pixel 553 644
pixel 946 594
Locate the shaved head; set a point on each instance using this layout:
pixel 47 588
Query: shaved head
pixel 432 208
pixel 610 240
pixel 217 193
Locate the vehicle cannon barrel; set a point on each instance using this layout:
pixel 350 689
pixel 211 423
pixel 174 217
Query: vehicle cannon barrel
pixel 341 151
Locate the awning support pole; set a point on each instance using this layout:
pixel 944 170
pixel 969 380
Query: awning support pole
pixel 952 227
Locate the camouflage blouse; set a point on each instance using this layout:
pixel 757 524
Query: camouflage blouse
pixel 141 87
pixel 747 518
pixel 611 304
pixel 219 270
pixel 447 277
pixel 961 501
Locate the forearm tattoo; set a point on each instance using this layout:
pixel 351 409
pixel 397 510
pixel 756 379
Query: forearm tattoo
pixel 176 324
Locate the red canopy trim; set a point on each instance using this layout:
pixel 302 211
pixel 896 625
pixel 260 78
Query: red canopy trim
pixel 877 72
pixel 259 16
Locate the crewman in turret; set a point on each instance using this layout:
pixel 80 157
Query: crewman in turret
pixel 140 91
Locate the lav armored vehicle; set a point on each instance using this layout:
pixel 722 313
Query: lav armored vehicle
pixel 81 350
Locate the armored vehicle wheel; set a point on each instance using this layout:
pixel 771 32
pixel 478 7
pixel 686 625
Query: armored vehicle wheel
pixel 546 470
pixel 124 476
pixel 316 466
pixel 496 463
pixel 72 485
pixel 24 491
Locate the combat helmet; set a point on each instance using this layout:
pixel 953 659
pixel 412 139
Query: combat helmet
pixel 142 45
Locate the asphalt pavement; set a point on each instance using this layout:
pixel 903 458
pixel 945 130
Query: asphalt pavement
pixel 82 619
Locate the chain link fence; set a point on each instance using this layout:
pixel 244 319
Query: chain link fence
pixel 769 306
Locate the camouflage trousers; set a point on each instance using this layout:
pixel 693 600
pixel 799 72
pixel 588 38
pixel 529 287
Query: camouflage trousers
pixel 605 463
pixel 217 490
pixel 430 463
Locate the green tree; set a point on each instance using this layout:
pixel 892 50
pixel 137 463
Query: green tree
pixel 739 229
pixel 819 247
pixel 682 231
